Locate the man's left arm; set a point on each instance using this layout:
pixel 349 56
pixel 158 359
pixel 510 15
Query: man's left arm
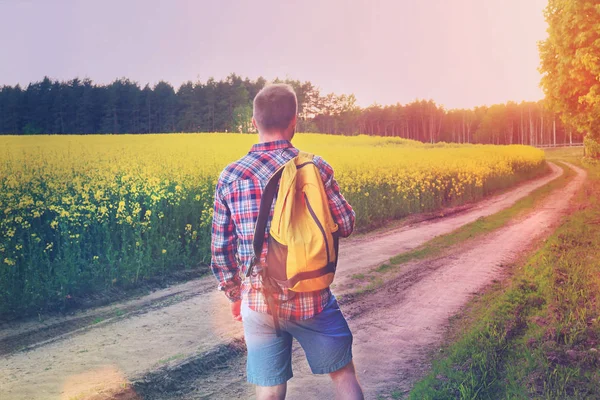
pixel 341 210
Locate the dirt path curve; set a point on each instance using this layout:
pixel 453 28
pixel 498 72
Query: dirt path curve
pixel 97 350
pixel 394 339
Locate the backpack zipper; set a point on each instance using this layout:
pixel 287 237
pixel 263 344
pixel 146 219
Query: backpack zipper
pixel 314 216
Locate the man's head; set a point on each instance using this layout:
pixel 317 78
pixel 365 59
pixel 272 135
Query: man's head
pixel 275 109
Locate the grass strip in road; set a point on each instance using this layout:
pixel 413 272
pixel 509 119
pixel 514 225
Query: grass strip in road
pixel 368 282
pixel 482 225
pixel 537 334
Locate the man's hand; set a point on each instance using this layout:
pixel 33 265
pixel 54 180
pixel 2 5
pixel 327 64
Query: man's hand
pixel 235 310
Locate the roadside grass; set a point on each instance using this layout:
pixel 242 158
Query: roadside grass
pixel 572 155
pixel 172 358
pixel 438 245
pixel 537 334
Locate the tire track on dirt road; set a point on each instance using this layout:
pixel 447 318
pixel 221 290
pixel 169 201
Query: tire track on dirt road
pixel 105 355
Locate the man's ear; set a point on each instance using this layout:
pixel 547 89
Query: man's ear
pixel 254 124
pixel 292 126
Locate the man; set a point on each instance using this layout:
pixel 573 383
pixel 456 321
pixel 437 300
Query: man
pixel 313 318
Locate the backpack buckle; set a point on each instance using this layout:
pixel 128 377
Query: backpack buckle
pixel 254 268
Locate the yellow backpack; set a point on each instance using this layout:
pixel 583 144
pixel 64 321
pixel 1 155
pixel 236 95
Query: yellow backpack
pixel 303 240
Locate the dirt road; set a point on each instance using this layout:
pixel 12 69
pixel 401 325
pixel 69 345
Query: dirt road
pixel 398 326
pixel 183 332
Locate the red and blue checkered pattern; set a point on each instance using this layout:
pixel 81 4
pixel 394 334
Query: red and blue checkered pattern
pixel 237 202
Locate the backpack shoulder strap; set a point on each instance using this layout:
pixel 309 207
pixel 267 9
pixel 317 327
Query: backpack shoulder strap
pixel 266 201
pixel 304 156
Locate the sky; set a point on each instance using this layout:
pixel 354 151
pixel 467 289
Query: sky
pixel 460 53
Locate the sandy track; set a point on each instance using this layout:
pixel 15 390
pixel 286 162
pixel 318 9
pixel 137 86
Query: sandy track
pixel 394 340
pixel 186 320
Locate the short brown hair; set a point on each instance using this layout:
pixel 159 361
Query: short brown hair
pixel 275 106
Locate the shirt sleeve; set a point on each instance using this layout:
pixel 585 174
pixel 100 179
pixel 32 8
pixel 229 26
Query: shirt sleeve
pixel 341 210
pixel 223 249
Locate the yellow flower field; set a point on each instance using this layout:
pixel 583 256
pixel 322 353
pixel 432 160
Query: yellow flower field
pixel 82 213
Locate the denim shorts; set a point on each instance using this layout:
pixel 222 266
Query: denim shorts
pixel 325 338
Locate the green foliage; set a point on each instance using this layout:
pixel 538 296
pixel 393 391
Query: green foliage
pixel 592 148
pixel 242 119
pixel 31 129
pixel 570 62
pixel 492 125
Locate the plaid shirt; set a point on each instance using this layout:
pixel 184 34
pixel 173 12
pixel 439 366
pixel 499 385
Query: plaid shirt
pixel 237 201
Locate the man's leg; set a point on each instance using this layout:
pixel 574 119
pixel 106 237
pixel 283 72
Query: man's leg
pixel 346 384
pixel 271 392
pixel 269 358
pixel 327 342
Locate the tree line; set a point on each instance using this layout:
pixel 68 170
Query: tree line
pixel 530 123
pixel 123 106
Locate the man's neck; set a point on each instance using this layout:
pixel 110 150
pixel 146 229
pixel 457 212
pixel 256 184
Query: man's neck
pixel 271 137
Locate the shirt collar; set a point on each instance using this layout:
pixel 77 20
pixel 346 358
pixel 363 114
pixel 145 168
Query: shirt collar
pixel 269 146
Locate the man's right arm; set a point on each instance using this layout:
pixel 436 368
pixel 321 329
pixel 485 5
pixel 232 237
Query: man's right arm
pixel 223 248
